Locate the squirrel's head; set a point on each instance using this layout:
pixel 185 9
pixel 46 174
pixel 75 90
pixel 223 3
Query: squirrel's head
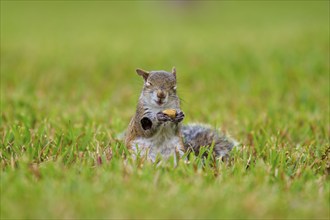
pixel 159 86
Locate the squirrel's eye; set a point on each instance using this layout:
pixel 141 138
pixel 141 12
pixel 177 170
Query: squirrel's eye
pixel 148 84
pixel 174 88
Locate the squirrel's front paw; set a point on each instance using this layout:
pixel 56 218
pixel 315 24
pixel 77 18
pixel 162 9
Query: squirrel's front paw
pixel 163 117
pixel 179 117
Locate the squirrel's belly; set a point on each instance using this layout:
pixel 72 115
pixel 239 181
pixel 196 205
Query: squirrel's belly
pixel 165 147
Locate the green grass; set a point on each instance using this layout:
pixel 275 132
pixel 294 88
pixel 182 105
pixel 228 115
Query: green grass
pixel 257 70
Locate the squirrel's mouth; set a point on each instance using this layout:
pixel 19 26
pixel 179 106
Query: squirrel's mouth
pixel 159 102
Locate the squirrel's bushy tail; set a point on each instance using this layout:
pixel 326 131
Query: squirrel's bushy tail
pixel 197 135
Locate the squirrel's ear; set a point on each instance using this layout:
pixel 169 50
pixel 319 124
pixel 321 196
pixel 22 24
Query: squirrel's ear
pixel 174 71
pixel 143 73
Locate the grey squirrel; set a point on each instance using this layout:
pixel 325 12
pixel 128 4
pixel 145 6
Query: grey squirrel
pixel 152 132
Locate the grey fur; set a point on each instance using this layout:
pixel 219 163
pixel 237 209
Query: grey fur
pixel 197 135
pixel 153 132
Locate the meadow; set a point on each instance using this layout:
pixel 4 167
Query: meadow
pixel 256 70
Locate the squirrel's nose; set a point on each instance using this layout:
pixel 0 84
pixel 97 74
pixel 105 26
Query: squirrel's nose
pixel 161 94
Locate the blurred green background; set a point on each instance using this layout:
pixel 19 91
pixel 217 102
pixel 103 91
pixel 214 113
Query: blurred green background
pixel 69 57
pixel 257 69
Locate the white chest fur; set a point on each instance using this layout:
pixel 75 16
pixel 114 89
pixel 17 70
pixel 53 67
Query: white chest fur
pixel 164 143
